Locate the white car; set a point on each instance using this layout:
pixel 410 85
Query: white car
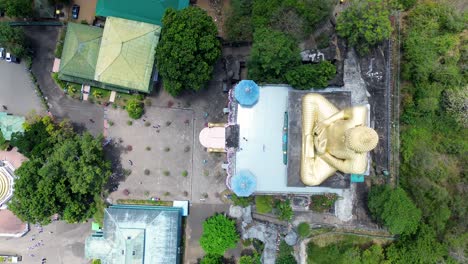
pixel 11 58
pixel 2 53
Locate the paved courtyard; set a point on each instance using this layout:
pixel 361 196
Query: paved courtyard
pixel 65 245
pixel 17 90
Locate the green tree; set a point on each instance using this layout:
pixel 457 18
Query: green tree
pixel 423 248
pixel 3 143
pixel 309 76
pixel 273 54
pixel 219 234
pixel 365 24
pixel 395 209
pixel 285 254
pixel 373 255
pixel 284 210
pixel 303 229
pixel 212 259
pixel 134 108
pixel 238 25
pixel 18 8
pixel 12 38
pixel 64 176
pixel 187 50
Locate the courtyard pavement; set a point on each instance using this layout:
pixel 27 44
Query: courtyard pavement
pixel 65 245
pixel 17 90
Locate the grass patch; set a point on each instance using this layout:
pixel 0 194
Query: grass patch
pixel 144 202
pixel 264 203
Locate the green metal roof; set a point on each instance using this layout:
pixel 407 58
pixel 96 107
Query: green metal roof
pixel 80 50
pixel 10 124
pixel 137 234
pixel 126 57
pixel 149 11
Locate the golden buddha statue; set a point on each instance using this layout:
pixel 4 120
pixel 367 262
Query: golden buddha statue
pixel 333 140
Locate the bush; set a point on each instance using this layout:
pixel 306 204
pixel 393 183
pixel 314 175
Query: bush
pixel 166 173
pixel 303 229
pixel 134 108
pixel 184 173
pixel 147 172
pixel 309 76
pixel 241 201
pixel 254 259
pixel 283 210
pixel 167 149
pixel 212 259
pixel 238 25
pixel 129 122
pixel 263 203
pixel 285 254
pixel 219 234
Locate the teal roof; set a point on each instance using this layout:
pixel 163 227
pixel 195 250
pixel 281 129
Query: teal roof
pixel 149 11
pixel 80 50
pixel 137 234
pixel 10 124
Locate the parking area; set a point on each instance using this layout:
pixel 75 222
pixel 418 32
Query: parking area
pixel 58 242
pixel 83 115
pixel 17 92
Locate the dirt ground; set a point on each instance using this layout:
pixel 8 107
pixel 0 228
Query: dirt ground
pixel 218 10
pixel 87 10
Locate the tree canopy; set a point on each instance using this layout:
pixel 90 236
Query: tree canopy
pixel 273 54
pixel 17 8
pixel 365 24
pixel 395 209
pixel 65 175
pixel 212 259
pixel 219 234
pixel 187 50
pixel 12 38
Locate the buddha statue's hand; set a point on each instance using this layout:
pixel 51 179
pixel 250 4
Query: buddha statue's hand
pixel 320 128
pixel 320 143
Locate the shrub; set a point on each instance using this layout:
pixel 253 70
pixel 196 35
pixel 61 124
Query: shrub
pixel 147 124
pixel 241 201
pixel 212 259
pixel 263 203
pixel 147 172
pixel 167 149
pixel 134 109
pixel 129 122
pixel 219 234
pixel 166 173
pixel 309 76
pixel 167 193
pixel 184 173
pixel 111 123
pixel 146 193
pixel 323 202
pixel 283 210
pixel 148 148
pixel 303 229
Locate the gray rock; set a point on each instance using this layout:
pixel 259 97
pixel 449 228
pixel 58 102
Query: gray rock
pixel 247 214
pixel 291 238
pixel 235 211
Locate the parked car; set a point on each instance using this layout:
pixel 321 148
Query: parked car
pixel 2 53
pixel 11 58
pixel 75 11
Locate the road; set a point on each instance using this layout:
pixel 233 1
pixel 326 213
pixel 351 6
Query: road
pixel 42 40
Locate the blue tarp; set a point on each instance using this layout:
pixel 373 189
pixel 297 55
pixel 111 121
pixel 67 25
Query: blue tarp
pixel 244 183
pixel 247 92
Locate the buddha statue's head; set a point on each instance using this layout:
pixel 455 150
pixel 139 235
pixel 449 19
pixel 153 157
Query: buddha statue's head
pixel 361 139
